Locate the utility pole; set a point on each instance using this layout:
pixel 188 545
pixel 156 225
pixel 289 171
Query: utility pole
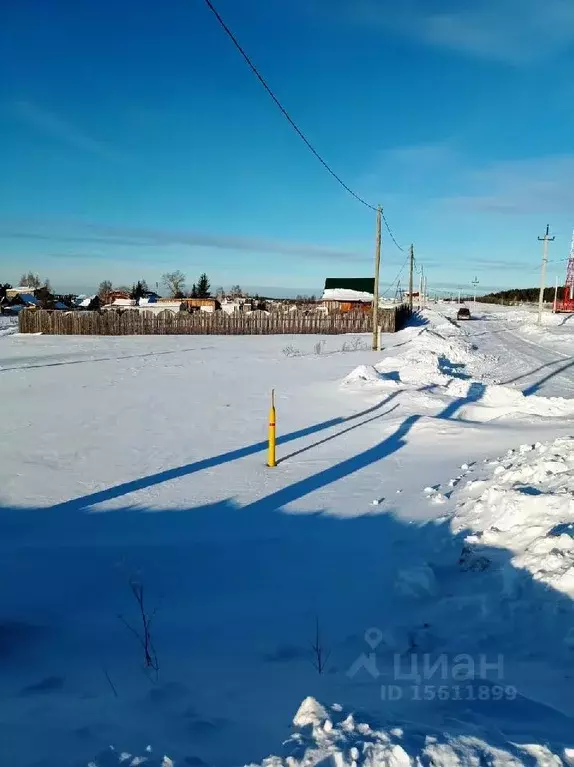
pixel 376 286
pixel 426 290
pixel 546 239
pixel 474 283
pixel 421 279
pixel 411 269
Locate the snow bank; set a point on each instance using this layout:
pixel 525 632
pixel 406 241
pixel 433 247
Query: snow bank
pixel 111 757
pixel 369 376
pixel 526 507
pixel 436 355
pixel 442 371
pixel 337 738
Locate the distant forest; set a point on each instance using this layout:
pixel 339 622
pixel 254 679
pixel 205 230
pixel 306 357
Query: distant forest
pixel 519 295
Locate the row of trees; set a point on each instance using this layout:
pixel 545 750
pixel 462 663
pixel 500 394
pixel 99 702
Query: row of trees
pixel 175 283
pixel 520 295
pixel 33 281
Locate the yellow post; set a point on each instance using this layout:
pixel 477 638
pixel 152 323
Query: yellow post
pixel 271 461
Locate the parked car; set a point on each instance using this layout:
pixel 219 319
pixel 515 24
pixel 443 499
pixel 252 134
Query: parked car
pixel 463 313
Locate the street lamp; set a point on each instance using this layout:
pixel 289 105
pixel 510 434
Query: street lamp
pixel 474 283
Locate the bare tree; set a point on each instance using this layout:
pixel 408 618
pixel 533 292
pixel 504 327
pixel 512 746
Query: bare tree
pixel 236 292
pixel 104 290
pixel 31 280
pixel 174 282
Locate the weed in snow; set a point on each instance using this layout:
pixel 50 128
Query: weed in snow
pixel 291 351
pixel 143 634
pixel 355 344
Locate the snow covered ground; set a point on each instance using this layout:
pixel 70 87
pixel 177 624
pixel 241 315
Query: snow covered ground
pixel 397 534
pixel 8 325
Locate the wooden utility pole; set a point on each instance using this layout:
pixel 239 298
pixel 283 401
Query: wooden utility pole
pixel 411 270
pixel 546 239
pixel 376 286
pixel 421 278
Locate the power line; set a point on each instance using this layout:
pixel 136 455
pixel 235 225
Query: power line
pixel 398 276
pixel 290 120
pixel 392 236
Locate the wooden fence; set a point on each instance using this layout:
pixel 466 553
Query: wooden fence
pixel 112 323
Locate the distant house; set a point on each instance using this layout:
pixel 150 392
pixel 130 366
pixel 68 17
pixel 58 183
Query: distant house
pixel 27 300
pixel 16 302
pixel 149 297
pixel 88 302
pixel 21 290
pixel 232 305
pixel 115 294
pixel 161 308
pixel 123 302
pixel 195 304
pixel 348 294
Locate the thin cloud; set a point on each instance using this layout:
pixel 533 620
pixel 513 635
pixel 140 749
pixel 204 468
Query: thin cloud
pixel 487 263
pixel 537 185
pixel 509 31
pixel 64 131
pixel 96 234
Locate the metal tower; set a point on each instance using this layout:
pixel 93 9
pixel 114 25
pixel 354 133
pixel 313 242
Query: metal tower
pixel 569 285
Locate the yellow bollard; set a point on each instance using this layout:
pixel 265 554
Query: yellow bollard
pixel 271 461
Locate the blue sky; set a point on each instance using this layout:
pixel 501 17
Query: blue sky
pixel 135 141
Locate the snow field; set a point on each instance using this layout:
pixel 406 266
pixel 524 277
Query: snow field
pixel 387 527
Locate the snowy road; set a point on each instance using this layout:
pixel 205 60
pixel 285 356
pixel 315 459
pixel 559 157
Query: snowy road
pixel 532 364
pixel 144 458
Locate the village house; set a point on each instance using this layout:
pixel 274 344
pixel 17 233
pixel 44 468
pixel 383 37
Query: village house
pixel 236 304
pixel 348 294
pixel 209 305
pixel 165 306
pixel 115 295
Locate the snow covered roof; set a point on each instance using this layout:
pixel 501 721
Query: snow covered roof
pixel 123 302
pixel 86 301
pixel 359 284
pixel 157 307
pixel 29 298
pixel 343 294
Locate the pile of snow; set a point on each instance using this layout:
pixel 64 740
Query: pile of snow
pixel 334 737
pixel 438 354
pixel 441 369
pixel 526 507
pixel 369 376
pixel 112 757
